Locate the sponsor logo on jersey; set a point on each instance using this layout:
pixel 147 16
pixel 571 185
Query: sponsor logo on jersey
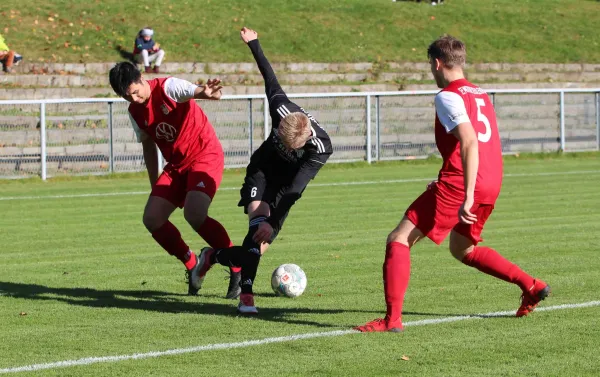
pixel 456 116
pixel 164 109
pixel 468 89
pixel 166 131
pixel 287 154
pixel 201 184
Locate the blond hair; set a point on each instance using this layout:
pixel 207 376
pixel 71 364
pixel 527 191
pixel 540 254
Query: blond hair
pixel 449 50
pixel 294 130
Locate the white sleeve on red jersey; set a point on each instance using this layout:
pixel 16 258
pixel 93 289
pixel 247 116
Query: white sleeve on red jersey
pixel 179 90
pixel 451 110
pixel 136 129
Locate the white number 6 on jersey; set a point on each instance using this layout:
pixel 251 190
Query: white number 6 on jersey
pixel 253 192
pixel 484 138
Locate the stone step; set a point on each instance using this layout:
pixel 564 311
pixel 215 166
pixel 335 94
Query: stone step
pixel 101 81
pixel 106 92
pixel 306 67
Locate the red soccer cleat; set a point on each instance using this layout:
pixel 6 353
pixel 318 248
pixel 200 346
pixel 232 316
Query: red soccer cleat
pixel 530 299
pixel 246 305
pixel 381 325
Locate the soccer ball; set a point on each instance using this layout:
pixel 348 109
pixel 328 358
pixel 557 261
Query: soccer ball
pixel 288 280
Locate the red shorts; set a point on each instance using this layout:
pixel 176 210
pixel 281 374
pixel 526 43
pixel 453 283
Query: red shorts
pixel 204 175
pixel 435 214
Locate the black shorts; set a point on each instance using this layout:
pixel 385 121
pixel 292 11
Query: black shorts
pixel 257 186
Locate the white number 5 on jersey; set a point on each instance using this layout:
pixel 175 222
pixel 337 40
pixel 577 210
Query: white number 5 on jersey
pixel 484 138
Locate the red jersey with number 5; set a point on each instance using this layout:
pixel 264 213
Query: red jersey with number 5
pixel 458 103
pixel 181 129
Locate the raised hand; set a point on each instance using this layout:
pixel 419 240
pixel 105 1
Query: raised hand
pixel 248 35
pixel 212 89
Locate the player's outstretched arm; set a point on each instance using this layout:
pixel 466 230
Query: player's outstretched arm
pixel 210 90
pixel 272 87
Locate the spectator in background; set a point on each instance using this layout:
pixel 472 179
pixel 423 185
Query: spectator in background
pixel 7 56
pixel 147 50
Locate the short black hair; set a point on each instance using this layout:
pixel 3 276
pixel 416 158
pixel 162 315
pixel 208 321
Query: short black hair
pixel 122 75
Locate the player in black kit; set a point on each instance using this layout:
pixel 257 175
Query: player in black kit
pixel 278 173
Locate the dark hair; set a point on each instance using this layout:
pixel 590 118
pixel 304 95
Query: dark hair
pixel 449 50
pixel 122 75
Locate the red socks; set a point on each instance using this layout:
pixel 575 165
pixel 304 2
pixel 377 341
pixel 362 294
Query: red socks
pixel 211 230
pixel 490 262
pixel 216 236
pixel 396 274
pixel 170 239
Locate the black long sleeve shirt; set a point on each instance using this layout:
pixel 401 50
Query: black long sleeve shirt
pixel 300 166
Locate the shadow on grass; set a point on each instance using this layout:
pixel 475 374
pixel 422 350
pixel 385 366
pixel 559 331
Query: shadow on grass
pixel 160 301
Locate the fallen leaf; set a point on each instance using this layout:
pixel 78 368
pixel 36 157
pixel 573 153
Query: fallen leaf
pixel 22 314
pixel 66 44
pixel 50 19
pixel 432 18
pixel 405 358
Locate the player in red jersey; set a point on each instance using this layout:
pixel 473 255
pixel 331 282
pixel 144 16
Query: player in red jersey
pixel 163 113
pixel 462 198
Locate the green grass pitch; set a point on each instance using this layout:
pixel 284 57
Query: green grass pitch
pixel 80 277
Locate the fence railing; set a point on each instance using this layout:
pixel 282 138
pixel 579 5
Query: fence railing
pixel 93 135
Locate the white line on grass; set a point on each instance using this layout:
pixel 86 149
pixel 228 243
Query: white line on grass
pixel 258 342
pixel 354 183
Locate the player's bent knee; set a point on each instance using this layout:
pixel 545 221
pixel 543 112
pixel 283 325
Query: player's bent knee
pixel 460 252
pixel 194 217
pixel 396 236
pixel 152 222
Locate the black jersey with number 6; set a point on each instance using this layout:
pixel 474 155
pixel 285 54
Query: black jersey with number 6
pixel 294 167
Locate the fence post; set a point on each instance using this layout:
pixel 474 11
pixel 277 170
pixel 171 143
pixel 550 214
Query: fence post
pixel 368 128
pixel 250 126
pixel 43 139
pixel 562 121
pixel 377 129
pixel 266 116
pixel 493 95
pixel 598 121
pixel 111 158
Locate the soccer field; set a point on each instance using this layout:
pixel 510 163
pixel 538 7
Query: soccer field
pixel 81 278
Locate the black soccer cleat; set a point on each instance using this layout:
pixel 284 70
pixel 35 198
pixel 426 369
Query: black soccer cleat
pixel 234 290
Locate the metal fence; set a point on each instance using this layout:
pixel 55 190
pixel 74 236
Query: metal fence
pixel 94 136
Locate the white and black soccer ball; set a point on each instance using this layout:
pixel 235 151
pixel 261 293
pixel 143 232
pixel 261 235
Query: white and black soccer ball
pixel 288 280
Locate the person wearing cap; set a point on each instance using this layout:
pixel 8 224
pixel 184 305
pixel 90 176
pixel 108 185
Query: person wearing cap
pixel 146 50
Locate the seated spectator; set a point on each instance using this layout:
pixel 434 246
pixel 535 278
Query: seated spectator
pixel 7 56
pixel 147 51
